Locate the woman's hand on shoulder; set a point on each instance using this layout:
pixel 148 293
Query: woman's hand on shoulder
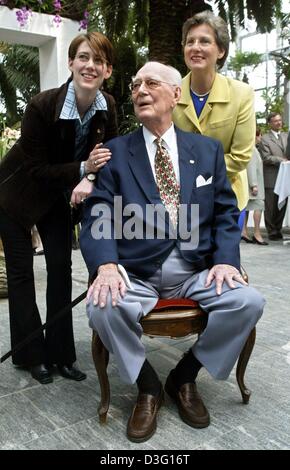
pixel 98 157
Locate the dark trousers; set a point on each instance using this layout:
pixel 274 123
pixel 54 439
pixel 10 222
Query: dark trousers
pixel 57 346
pixel 273 216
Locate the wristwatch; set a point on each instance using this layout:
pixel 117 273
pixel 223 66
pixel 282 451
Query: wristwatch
pixel 90 176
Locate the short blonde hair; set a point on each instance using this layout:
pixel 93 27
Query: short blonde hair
pixel 219 27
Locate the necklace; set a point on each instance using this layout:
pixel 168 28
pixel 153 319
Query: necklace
pixel 199 96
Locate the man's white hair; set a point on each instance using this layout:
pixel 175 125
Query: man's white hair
pixel 172 75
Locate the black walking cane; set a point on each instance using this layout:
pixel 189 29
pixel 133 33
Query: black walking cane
pixel 36 333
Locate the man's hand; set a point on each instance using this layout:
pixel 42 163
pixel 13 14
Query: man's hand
pixel 98 157
pixel 81 191
pixel 108 279
pixel 222 273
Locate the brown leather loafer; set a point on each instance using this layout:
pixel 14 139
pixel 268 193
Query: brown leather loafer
pixel 189 403
pixel 142 422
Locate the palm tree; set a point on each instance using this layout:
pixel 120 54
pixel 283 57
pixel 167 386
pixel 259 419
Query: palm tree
pixel 165 18
pixel 8 98
pixel 125 22
pixel 19 78
pixel 165 24
pixel 137 28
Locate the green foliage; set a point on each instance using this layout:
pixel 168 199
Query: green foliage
pixel 22 69
pixel 283 57
pixel 244 59
pixel 117 18
pixel 135 27
pixel 264 12
pixel 284 65
pixel 19 78
pixel 8 97
pixel 125 68
pixel 126 24
pixel 115 14
pixel 274 103
pixel 140 20
pixel 128 124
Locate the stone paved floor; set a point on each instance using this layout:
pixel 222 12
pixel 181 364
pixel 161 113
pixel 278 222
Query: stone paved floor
pixel 63 415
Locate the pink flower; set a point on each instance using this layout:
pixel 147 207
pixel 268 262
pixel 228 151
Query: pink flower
pixel 57 20
pixel 22 16
pixel 83 24
pixel 57 5
pixel 85 21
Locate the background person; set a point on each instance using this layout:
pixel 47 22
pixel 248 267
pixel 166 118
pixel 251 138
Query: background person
pixel 273 151
pixel 257 195
pixel 214 105
pixel 161 165
pixel 59 145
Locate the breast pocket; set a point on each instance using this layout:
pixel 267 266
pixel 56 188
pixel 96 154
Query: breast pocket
pixel 202 190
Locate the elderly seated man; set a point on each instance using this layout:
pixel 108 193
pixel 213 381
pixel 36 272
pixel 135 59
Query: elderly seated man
pixel 162 222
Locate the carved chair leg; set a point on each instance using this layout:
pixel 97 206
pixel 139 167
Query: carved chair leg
pixel 242 364
pixel 101 359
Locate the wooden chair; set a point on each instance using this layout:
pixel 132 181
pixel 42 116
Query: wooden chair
pixel 174 318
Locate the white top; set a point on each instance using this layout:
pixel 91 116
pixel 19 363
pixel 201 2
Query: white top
pixel 282 185
pixel 169 142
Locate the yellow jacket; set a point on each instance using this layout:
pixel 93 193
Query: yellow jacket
pixel 228 116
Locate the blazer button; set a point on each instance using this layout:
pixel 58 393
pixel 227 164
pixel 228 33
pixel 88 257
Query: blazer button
pixel 99 131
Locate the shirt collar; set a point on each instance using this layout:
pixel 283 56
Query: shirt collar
pixel 276 133
pixel 168 137
pixel 70 110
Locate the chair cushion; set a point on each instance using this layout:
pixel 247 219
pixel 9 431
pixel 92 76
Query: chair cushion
pixel 164 304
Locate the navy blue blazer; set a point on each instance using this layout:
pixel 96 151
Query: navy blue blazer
pixel 129 174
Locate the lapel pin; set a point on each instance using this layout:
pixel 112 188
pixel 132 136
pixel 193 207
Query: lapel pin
pixel 191 161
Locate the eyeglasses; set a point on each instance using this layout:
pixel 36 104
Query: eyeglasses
pixel 150 83
pixel 85 58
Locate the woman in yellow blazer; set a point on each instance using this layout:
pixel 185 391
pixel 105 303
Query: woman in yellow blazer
pixel 215 105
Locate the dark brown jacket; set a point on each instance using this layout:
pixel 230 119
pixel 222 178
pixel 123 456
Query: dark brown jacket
pixel 40 166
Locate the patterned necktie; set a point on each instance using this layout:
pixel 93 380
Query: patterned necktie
pixel 166 181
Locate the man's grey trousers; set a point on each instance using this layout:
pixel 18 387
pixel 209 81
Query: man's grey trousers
pixel 232 316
